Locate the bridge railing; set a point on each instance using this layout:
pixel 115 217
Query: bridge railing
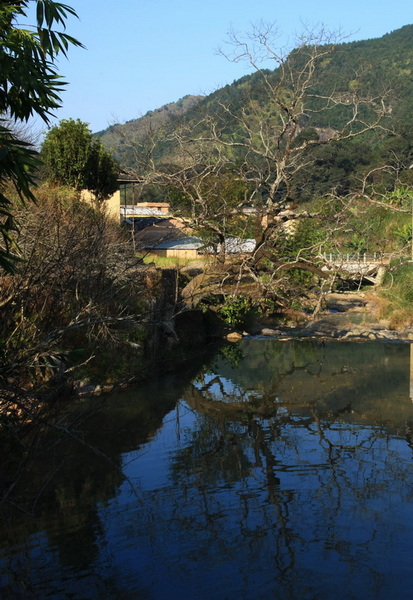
pixel 357 257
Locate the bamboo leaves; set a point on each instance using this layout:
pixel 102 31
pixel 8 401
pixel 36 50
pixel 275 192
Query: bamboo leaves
pixel 29 86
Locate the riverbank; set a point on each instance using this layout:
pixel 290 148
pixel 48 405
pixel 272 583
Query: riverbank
pixel 347 316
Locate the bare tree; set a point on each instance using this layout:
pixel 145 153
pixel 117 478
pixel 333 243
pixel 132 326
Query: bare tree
pixel 261 138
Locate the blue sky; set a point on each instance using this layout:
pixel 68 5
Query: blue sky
pixel 142 54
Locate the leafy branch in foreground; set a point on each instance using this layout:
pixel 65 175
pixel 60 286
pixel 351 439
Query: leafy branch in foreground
pixel 29 86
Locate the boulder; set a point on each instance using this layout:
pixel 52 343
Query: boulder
pixel 268 331
pixel 234 336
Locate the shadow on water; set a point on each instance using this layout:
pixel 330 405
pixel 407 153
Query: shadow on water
pixel 276 470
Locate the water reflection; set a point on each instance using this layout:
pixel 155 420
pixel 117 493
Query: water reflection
pixel 279 471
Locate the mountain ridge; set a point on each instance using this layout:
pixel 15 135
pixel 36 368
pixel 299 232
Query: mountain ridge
pixel 376 67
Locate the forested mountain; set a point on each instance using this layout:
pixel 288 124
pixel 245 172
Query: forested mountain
pixel 116 137
pixel 379 69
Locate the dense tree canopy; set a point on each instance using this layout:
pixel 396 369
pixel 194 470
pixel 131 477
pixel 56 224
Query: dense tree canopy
pixel 73 157
pixel 29 86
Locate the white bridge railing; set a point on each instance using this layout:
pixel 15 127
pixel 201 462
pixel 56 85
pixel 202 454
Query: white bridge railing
pixel 363 264
pixel 356 258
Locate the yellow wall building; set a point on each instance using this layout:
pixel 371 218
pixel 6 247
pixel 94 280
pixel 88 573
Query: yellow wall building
pixel 111 205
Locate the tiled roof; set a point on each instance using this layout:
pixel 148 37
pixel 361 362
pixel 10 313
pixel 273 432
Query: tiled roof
pixel 188 243
pixel 141 211
pixel 235 245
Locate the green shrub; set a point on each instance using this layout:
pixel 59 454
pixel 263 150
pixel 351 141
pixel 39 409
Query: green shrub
pixel 236 310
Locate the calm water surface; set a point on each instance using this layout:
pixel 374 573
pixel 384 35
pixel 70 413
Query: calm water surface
pixel 279 470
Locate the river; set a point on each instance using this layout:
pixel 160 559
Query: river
pixel 272 470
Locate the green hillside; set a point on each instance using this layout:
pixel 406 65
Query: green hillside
pixel 117 137
pixel 377 68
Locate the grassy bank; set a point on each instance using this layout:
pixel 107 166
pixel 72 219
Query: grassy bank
pixel 170 262
pixel 396 296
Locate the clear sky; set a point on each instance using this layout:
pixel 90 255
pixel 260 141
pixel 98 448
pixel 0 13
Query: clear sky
pixel 141 54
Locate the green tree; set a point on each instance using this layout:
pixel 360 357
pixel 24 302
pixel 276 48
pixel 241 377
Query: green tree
pixel 65 152
pixel 102 173
pixel 73 157
pixel 29 86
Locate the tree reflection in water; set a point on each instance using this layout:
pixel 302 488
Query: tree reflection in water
pixel 310 447
pixel 284 471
